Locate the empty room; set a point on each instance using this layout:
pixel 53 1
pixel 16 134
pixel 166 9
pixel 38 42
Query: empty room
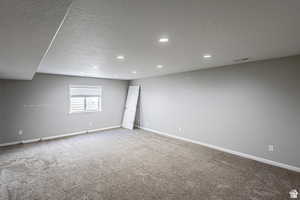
pixel 149 99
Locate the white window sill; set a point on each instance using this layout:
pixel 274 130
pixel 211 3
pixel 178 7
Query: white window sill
pixel 85 112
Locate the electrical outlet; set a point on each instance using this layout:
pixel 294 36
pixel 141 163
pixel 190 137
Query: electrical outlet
pixel 271 148
pixel 179 129
pixel 20 132
pixel 91 123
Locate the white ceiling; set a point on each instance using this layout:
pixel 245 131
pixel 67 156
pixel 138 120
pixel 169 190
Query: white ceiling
pixel 26 29
pixel 96 31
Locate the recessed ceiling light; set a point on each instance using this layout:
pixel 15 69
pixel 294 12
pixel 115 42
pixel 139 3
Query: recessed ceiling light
pixel 163 40
pixel 120 57
pixel 134 72
pixel 207 56
pixel 159 66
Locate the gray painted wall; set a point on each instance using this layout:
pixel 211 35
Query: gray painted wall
pixel 41 107
pixel 241 107
pixel 1 104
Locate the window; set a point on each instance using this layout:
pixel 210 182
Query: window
pixel 85 99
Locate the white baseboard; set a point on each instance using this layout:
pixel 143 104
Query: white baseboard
pixel 64 135
pixel 103 129
pixel 31 141
pixel 58 136
pixel 10 143
pixel 244 155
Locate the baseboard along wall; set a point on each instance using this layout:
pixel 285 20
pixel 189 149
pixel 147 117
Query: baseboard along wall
pixel 244 155
pixel 58 136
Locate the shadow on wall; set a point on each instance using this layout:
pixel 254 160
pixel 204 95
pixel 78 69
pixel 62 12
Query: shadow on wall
pixel 138 111
pixel 1 108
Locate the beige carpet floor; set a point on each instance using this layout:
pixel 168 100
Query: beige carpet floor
pixel 135 165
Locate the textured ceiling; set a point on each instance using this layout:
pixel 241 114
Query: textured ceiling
pixel 26 30
pixel 96 31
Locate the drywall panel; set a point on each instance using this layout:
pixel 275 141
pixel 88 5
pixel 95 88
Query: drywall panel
pixel 243 107
pixel 27 29
pixel 130 108
pixel 40 108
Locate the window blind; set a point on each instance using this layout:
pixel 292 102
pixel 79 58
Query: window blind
pixel 85 99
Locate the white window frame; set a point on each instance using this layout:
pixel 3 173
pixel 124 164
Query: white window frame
pixel 85 86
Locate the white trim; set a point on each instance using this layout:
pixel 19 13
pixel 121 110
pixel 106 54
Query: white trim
pixel 31 141
pixel 244 155
pixel 10 143
pixel 62 136
pixel 103 129
pixel 58 136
